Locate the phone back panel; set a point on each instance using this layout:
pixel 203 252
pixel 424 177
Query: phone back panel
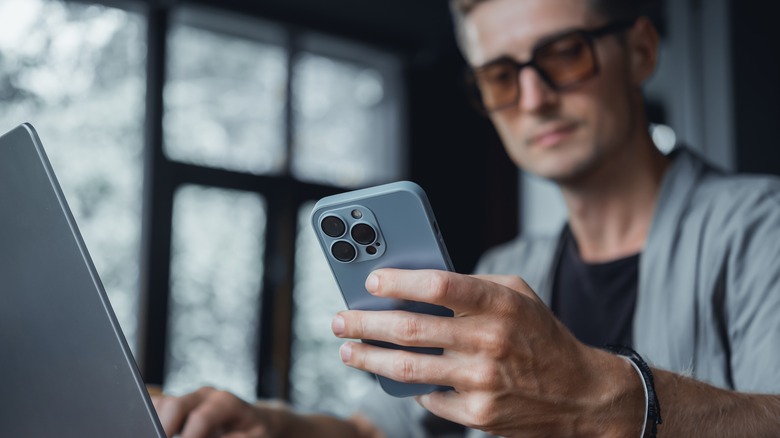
pixel 407 238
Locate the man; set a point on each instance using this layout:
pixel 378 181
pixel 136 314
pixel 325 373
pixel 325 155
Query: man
pixel 561 80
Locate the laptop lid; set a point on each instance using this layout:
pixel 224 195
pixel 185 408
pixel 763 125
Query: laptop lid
pixel 65 366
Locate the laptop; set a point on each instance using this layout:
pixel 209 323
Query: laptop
pixel 65 366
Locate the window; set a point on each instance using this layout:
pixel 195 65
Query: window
pixel 225 96
pixel 346 123
pixel 284 118
pixel 76 72
pixel 216 272
pixel 241 126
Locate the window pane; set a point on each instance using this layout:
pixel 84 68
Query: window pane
pixel 320 381
pixel 224 101
pixel 216 272
pixel 346 121
pixel 76 72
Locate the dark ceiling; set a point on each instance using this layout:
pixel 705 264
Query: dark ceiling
pixel 411 26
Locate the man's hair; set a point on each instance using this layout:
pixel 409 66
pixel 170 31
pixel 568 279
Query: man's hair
pixel 607 9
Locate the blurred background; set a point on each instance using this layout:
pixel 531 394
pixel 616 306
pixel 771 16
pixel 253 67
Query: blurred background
pixel 192 138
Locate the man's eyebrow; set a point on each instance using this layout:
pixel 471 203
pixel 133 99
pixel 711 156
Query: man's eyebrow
pixel 540 42
pixel 499 60
pixel 552 37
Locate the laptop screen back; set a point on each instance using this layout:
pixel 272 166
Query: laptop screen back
pixel 65 366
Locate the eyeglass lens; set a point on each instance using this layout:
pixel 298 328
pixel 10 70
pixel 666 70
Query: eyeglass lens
pixel 561 63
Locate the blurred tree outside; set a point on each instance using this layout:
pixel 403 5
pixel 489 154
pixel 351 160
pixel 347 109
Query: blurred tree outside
pixel 77 73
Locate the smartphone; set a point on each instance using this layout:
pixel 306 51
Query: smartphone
pixel 388 226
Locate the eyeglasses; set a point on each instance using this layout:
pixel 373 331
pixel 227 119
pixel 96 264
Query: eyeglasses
pixel 562 61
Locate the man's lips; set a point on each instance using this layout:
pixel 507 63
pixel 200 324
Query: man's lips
pixel 552 134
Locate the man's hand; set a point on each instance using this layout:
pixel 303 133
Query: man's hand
pixel 208 413
pixel 516 370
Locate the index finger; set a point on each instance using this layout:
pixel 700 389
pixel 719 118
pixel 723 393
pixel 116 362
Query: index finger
pixel 461 293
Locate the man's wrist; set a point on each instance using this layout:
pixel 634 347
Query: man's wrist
pixel 647 394
pixel 618 406
pixel 652 404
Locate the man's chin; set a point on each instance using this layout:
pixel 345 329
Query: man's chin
pixel 561 165
pixel 560 173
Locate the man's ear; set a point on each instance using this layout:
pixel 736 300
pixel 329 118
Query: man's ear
pixel 642 41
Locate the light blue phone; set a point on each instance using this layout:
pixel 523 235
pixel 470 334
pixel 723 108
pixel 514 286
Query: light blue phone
pixel 388 226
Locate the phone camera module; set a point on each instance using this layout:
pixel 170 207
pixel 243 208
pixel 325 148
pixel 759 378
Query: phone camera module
pixel 363 234
pixel 343 251
pixel 333 226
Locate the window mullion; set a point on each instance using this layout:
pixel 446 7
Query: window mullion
pixel 276 307
pixel 158 207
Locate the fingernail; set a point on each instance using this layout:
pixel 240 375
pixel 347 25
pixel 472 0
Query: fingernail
pixel 338 325
pixel 372 283
pixel 346 352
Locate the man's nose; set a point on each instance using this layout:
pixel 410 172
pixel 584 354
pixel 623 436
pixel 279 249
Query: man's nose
pixel 535 93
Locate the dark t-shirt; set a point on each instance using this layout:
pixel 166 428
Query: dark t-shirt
pixel 595 301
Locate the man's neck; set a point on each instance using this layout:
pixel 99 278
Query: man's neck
pixel 610 211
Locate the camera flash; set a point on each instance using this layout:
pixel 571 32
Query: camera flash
pixel 357 214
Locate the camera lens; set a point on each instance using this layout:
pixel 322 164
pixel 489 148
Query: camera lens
pixel 343 251
pixel 363 234
pixel 333 226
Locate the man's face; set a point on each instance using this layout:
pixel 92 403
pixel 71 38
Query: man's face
pixel 559 135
